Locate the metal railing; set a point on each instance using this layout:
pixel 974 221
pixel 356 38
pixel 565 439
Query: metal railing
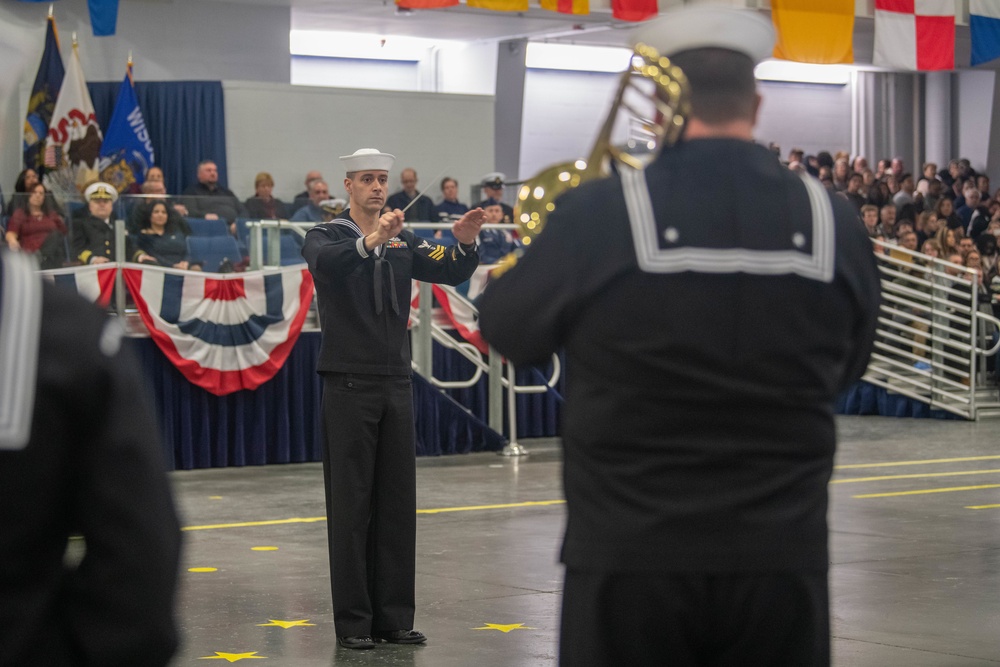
pixel 933 336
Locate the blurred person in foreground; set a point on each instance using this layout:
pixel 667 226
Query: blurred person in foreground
pixel 79 455
pixel 704 361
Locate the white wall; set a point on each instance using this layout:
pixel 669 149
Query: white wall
pixel 812 117
pixel 398 75
pixel 288 130
pixel 972 92
pixel 470 68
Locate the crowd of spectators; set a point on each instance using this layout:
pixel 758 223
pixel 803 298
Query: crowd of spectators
pixel 157 223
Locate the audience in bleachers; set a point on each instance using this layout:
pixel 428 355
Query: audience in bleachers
pixel 302 198
pixel 421 210
pixel 207 199
pixel 313 210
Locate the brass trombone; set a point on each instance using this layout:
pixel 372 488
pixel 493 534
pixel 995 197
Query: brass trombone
pixel 536 197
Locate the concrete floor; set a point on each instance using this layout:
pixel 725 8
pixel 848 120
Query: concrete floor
pixel 915 575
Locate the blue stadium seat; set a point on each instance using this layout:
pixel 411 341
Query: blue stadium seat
pixel 291 249
pixel 202 227
pixel 212 250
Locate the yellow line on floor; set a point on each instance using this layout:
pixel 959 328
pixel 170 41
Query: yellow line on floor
pixel 880 478
pixel 314 519
pixel 534 503
pixel 889 464
pixel 922 491
pixel 981 507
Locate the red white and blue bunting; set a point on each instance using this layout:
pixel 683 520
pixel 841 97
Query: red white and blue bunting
pixel 223 332
pixel 94 282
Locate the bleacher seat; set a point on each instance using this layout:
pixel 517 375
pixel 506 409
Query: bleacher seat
pixel 212 250
pixel 203 227
pixel 291 249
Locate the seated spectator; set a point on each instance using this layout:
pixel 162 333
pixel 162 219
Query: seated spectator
pixel 946 212
pixel 931 248
pixel 983 184
pixel 422 210
pixel 25 183
pixel 312 212
pixel 492 186
pixel 93 239
pixel 302 198
pixel 887 220
pixel 450 210
pixel 36 228
pixel 152 191
pixel 946 241
pixel 879 195
pixel 841 174
pixel 882 168
pixel 949 173
pixel 860 165
pixel 162 237
pixel 986 245
pixel 853 191
pixel 332 208
pixel 935 192
pixel 264 206
pixel 971 203
pixel 907 239
pixel 965 246
pixel 155 174
pixel 904 196
pixel 207 199
pixel 869 216
pixel 927 226
pixel 928 175
pixel 495 244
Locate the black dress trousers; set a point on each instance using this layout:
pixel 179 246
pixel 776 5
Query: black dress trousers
pixel 369 470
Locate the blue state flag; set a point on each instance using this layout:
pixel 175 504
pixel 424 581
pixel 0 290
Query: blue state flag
pixel 44 92
pixel 127 152
pixel 984 29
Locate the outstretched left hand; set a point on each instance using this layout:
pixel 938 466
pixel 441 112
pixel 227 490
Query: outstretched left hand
pixel 466 230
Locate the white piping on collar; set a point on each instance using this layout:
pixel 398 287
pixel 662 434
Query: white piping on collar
pixel 20 327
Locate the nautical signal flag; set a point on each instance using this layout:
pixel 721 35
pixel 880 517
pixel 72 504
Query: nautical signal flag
pixel 984 28
pixel 500 5
pixel 566 6
pixel 127 152
pixel 634 10
pixel 915 34
pixel 44 93
pixel 814 32
pixel 425 4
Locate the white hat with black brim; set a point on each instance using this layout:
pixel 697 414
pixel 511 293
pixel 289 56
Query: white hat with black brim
pixel 709 26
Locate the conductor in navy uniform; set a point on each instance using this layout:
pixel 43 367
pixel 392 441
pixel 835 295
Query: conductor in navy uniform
pixel 363 264
pixel 711 306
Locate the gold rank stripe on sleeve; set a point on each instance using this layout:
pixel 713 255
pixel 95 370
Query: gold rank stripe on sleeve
pixel 437 253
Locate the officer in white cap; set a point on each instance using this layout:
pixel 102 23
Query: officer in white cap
pixel 93 237
pixel 363 262
pixel 712 307
pixel 492 185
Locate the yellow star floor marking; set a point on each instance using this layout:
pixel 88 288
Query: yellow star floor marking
pixel 888 464
pixel 881 478
pixel 234 657
pixel 203 569
pixel 923 491
pixel 504 628
pixel 285 624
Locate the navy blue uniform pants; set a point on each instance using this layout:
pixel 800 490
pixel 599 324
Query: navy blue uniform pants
pixel 688 620
pixel 369 471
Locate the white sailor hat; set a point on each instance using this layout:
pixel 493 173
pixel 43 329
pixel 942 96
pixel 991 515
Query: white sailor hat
pixel 367 159
pixel 494 179
pixel 100 190
pixel 335 205
pixel 709 26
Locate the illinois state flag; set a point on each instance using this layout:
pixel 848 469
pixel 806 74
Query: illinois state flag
pixel 814 32
pixel 984 28
pixel 44 92
pixel 74 142
pixel 223 332
pixel 127 153
pixel 915 34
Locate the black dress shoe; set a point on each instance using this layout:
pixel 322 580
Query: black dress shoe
pixel 402 637
pixel 363 642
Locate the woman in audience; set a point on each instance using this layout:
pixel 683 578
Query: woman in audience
pixel 162 237
pixel 25 183
pixel 927 226
pixel 878 194
pixel 946 211
pixel 931 248
pixel 947 241
pixel 263 206
pixel 35 227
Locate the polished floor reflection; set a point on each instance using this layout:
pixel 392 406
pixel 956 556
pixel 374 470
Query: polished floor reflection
pixel 915 551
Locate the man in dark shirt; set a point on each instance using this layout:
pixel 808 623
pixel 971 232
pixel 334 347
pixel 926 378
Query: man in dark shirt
pixel 210 200
pixel 79 455
pixel 703 361
pixel 363 264
pixel 423 209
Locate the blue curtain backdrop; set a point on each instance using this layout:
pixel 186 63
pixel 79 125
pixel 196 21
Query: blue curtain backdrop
pixel 186 122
